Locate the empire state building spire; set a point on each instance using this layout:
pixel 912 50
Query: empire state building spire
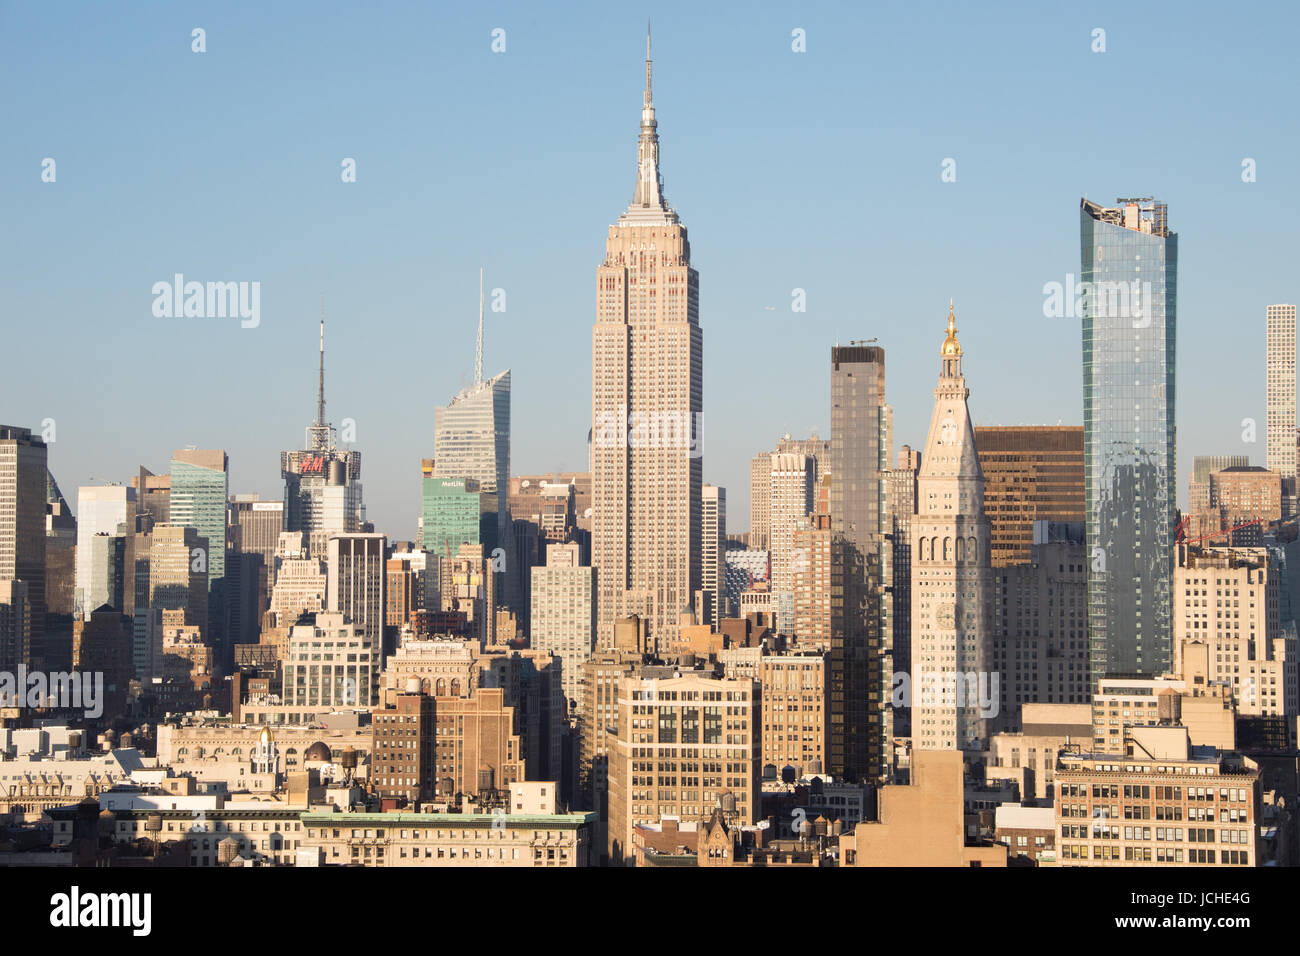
pixel 649 193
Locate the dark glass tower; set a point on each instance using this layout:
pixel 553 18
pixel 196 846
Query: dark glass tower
pixel 859 456
pixel 1130 271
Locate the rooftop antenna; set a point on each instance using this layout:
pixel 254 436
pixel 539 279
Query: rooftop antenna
pixel 478 353
pixel 319 434
pixel 320 400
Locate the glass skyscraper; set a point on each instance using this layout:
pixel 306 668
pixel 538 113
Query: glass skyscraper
pixel 199 501
pixel 1128 307
pixel 472 440
pixel 456 512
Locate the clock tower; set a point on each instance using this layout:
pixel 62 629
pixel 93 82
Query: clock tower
pixel 951 691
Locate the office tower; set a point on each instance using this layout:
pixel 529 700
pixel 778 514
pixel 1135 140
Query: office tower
pixel 23 470
pixel 178 574
pixel 685 745
pixel 760 500
pixel 471 585
pixel 558 518
pixel 199 488
pixel 330 663
pixel 647 400
pixel 743 568
pixel 458 511
pixel 146 623
pixel 713 551
pixel 1130 267
pixel 597 719
pixel 1247 493
pixel 794 711
pixel 951 578
pixel 355 582
pixel 1241 504
pixel 812 583
pixel 322 483
pixel 760 481
pixel 254 532
pixel 403 748
pixel 256 526
pixel 301 582
pixel 860 679
pixel 60 577
pixel 534 690
pixel 564 614
pixel 153 496
pixel 1039 648
pixel 109 510
pixel 1198 482
pixel 1254 649
pixel 15 625
pixel 526 493
pixel 1031 473
pixel 900 508
pixel 791 502
pixel 818 449
pixel 108 572
pixel 101 644
pixel 1279 366
pixel 404 592
pixel 199 491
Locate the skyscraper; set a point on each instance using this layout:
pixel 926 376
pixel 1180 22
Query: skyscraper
pixel 791 498
pixel 457 511
pixel 355 585
pixel 713 551
pixel 178 577
pixel 1280 389
pixel 564 614
pixel 322 483
pixel 647 399
pixel 1031 473
pixel 472 440
pixel 199 492
pixel 199 488
pixel 859 453
pixel 951 577
pixel 108 509
pixel 1130 274
pixel 901 496
pixel 760 505
pixel 23 467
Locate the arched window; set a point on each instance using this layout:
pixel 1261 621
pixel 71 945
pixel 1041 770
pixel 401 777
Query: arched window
pixel 455 687
pixel 947 548
pixel 920 549
pixel 961 549
pixel 442 687
pixel 973 548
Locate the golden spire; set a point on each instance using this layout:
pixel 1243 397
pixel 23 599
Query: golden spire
pixel 950 345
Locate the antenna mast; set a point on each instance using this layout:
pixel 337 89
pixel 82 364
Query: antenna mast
pixel 320 400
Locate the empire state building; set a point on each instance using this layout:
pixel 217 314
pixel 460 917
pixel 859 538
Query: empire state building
pixel 646 402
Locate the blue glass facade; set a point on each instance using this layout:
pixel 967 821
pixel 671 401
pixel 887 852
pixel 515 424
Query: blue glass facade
pixel 1128 308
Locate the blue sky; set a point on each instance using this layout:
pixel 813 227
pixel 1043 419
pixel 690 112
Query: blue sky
pixel 816 170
